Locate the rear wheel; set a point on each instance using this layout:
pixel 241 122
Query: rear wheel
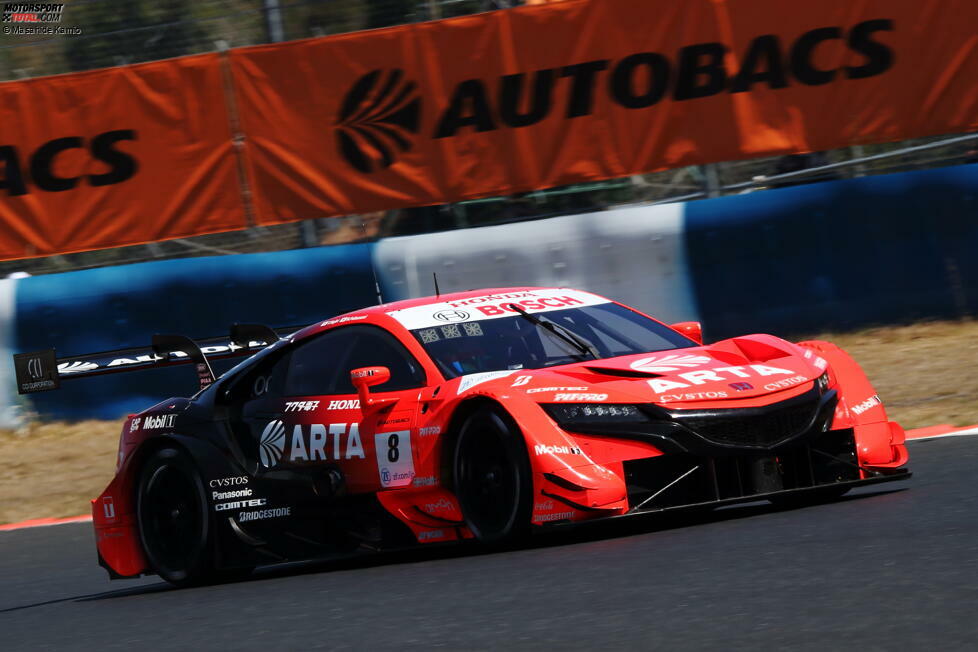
pixel 174 523
pixel 492 477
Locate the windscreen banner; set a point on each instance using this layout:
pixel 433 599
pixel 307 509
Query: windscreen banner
pixel 540 96
pixel 116 157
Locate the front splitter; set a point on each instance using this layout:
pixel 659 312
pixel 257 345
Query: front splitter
pixel 897 475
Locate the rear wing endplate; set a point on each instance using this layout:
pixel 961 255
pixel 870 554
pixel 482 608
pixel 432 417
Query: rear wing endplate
pixel 41 371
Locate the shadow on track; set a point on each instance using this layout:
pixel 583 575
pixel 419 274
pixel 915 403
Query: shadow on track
pixel 120 593
pixel 555 538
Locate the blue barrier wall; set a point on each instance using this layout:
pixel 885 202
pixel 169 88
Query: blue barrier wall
pixel 116 307
pixel 840 254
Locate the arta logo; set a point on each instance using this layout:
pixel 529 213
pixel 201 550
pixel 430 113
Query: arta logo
pixel 451 315
pixel 377 115
pixel 670 363
pixel 76 367
pixel 272 443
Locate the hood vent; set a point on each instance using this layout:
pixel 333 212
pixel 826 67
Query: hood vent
pixel 623 373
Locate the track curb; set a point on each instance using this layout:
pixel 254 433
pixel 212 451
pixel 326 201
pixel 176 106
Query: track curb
pixel 44 522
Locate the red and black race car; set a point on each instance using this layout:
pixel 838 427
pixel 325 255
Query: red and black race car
pixel 476 415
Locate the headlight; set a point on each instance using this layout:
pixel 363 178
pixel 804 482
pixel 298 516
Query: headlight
pixel 823 383
pixel 594 413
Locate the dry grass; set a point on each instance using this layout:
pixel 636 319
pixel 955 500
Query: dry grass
pixel 54 469
pixel 923 373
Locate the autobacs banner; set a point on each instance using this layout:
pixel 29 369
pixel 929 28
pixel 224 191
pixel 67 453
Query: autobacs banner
pixel 116 157
pixel 534 97
pixel 496 103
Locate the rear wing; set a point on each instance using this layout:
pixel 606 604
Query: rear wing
pixel 41 371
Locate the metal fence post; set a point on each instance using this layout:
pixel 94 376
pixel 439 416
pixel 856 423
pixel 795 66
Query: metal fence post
pixel 273 21
pixel 711 179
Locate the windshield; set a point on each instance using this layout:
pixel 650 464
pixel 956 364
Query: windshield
pixel 516 342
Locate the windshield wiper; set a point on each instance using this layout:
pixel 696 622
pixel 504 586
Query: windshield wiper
pixel 563 333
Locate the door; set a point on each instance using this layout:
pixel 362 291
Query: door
pixel 310 418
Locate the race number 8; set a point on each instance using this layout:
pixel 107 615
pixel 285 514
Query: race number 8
pixel 395 459
pixel 393 454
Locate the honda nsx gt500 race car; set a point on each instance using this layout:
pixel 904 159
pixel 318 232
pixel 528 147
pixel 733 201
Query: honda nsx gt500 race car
pixel 481 415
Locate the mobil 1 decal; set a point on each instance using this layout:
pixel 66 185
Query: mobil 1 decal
pixel 395 462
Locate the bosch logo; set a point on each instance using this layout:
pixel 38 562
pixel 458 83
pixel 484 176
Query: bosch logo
pixel 378 115
pixel 451 315
pixel 272 443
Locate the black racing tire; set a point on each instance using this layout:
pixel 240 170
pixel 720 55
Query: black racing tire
pixel 175 526
pixel 492 477
pixel 815 497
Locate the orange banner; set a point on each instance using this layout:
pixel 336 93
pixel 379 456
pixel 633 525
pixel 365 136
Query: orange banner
pixel 541 96
pixel 116 157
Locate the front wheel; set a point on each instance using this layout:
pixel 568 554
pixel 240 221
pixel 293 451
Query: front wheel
pixel 492 477
pixel 174 523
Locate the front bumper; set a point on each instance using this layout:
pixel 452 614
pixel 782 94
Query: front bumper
pixel 826 463
pixel 900 474
pixel 729 431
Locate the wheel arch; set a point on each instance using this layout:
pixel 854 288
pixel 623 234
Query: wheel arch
pixel 206 457
pixel 463 411
pixel 880 442
pixel 200 451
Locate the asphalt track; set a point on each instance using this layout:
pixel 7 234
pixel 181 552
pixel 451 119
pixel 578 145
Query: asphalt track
pixel 894 566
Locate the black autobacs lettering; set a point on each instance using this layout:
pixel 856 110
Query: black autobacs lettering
pixel 511 91
pixel 701 71
pixel 803 56
pixel 122 166
pixel 583 78
pixel 42 164
pixel 879 57
pixel 521 99
pixel 624 85
pixel 644 79
pixel 12 180
pixel 469 108
pixel 762 63
pixel 44 171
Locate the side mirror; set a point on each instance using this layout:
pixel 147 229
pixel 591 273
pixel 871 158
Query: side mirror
pixel 366 377
pixel 691 329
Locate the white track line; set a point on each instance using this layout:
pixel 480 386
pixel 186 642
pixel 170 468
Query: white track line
pixel 956 433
